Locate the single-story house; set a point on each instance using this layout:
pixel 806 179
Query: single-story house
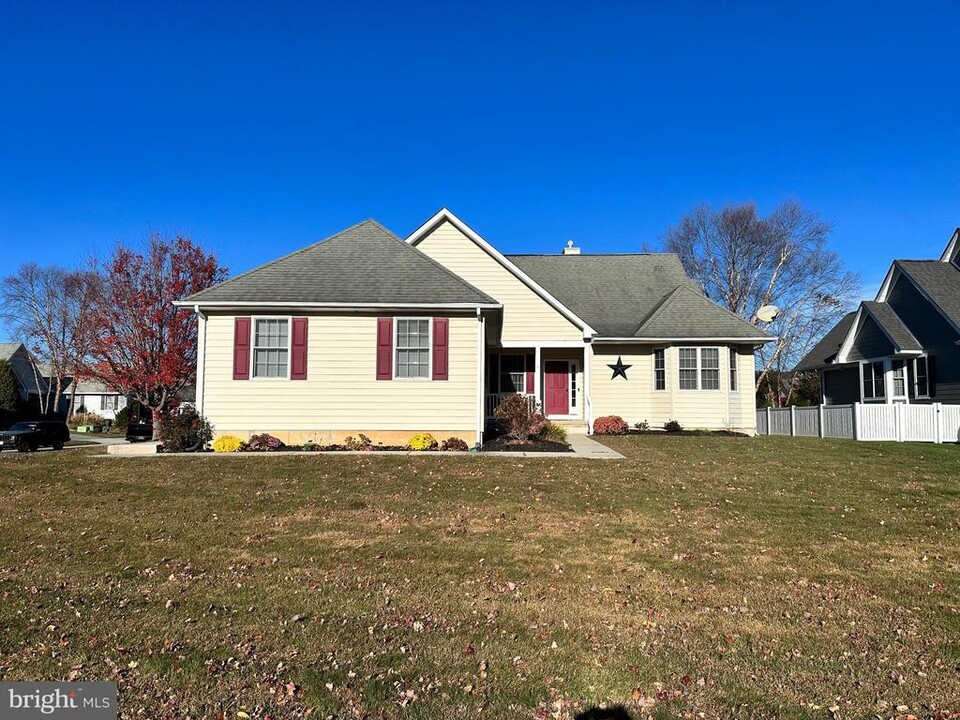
pixel 902 347
pixel 95 397
pixel 369 332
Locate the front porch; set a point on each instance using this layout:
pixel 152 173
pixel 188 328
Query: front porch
pixel 551 379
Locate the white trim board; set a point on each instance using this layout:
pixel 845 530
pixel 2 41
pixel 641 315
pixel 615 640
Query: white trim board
pixel 952 251
pixel 847 345
pixel 547 344
pixel 445 215
pixel 246 304
pixel 660 340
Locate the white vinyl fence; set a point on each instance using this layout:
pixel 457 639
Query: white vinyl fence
pixel 934 423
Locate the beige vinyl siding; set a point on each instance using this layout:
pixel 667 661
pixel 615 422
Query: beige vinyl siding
pixel 526 316
pixel 636 400
pixel 341 393
pixel 630 398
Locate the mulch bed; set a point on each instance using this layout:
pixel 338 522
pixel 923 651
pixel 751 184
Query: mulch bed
pixel 505 444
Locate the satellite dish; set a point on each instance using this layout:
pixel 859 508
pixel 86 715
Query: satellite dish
pixel 768 313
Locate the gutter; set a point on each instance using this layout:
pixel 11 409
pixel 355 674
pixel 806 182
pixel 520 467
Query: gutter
pixel 648 340
pixel 244 304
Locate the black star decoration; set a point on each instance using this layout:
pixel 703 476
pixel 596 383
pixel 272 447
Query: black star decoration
pixel 619 369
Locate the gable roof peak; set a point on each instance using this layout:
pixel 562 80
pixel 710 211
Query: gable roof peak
pixel 951 253
pixel 364 265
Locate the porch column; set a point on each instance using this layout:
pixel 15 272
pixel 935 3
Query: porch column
pixel 536 376
pixel 587 401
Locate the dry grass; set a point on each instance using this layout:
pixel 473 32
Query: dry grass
pixel 774 577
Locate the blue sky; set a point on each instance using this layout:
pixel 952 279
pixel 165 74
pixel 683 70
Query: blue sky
pixel 260 128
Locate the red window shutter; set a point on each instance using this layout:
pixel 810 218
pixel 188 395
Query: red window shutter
pixel 298 349
pixel 241 348
pixel 384 348
pixel 441 348
pixel 529 366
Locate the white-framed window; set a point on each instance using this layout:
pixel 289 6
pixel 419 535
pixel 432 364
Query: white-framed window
pixel 574 368
pixel 659 369
pixel 899 375
pixel 412 351
pixel 109 402
pixel 689 369
pixel 709 368
pixel 872 376
pixel 921 377
pixel 733 368
pixel 699 368
pixel 513 373
pixel 271 347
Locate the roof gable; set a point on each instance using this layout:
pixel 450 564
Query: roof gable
pixel 444 215
pixel 825 352
pixel 686 314
pixel 892 326
pixel 938 282
pixel 625 296
pixel 951 253
pixel 364 265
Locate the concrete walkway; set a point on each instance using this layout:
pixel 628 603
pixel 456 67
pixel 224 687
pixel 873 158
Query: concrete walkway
pixel 98 439
pixel 586 447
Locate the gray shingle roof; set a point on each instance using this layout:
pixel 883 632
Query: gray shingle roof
pixel 8 349
pixel 939 280
pixel 364 264
pixel 892 325
pixel 623 295
pixel 826 350
pixel 685 313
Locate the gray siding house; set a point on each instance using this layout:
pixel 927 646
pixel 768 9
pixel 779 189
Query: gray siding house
pixel 903 347
pixel 31 378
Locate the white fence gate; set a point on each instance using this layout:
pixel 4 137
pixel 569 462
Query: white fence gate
pixel 934 422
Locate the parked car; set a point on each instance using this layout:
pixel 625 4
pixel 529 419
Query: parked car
pixel 139 431
pixel 28 436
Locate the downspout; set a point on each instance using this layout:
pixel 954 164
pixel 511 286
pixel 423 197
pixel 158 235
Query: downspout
pixel 201 356
pixel 481 374
pixel 588 400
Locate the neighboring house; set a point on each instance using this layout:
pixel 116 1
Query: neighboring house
pixel 367 332
pixel 30 376
pixel 901 347
pixel 95 397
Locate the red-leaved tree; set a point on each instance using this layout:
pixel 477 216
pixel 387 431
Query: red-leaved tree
pixel 143 345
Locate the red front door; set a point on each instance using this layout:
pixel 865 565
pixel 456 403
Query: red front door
pixel 557 381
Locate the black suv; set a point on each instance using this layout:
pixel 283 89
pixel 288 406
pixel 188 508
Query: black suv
pixel 28 436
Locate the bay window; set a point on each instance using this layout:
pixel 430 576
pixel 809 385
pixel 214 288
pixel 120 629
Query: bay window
pixel 699 368
pixel 659 369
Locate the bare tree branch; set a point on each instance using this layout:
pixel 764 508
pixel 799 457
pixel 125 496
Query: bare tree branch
pixel 744 261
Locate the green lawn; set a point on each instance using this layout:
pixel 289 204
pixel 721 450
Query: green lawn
pixel 730 577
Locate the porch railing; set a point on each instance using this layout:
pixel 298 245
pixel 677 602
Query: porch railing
pixel 494 399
